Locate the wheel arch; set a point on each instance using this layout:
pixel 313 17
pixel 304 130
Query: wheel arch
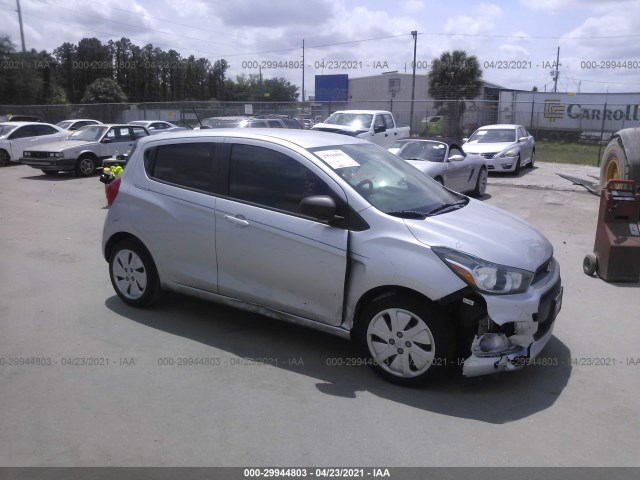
pixel 381 292
pixel 117 238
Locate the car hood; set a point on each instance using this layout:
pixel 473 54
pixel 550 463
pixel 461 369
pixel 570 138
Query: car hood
pixel 486 232
pixel 59 146
pixel 332 127
pixel 487 147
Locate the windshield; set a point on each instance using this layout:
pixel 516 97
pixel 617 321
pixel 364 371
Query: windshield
pixel 494 135
pixel 384 180
pixel 355 120
pixel 224 122
pixel 6 129
pixel 419 150
pixel 89 134
pixel 64 125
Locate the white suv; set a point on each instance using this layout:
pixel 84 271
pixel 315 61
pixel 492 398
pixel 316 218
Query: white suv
pixel 337 234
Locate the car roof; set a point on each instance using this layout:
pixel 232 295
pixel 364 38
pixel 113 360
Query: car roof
pixel 303 138
pixel 499 125
pixel 110 125
pixel 20 124
pixel 81 120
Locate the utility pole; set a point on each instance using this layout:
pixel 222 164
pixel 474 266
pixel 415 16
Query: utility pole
pixel 303 70
pixel 414 34
pixel 555 80
pixel 21 29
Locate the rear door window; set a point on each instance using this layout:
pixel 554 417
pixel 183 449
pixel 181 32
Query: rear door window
pixel 188 165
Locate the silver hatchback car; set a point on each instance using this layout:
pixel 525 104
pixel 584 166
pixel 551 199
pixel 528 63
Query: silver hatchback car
pixel 337 234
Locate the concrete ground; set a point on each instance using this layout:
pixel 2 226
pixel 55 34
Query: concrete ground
pixel 88 381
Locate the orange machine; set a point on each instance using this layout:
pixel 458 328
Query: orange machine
pixel 616 250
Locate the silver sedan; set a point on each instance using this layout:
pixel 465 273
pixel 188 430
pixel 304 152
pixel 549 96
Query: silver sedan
pixel 445 161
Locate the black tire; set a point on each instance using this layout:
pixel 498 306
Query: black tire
pixel 516 170
pixel 86 165
pixel 614 163
pixel 590 265
pixel 133 274
pixel 49 173
pixel 4 158
pixel 481 183
pixel 533 159
pixel 410 359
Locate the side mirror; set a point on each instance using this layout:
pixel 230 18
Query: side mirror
pixel 321 207
pixel 523 139
pixel 379 129
pixel 456 158
pixel 106 140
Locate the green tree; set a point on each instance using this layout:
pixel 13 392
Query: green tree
pixel 104 90
pixel 454 78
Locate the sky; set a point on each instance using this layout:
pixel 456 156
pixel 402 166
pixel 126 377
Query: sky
pixel 515 41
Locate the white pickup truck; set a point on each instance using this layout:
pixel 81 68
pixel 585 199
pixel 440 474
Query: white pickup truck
pixel 377 126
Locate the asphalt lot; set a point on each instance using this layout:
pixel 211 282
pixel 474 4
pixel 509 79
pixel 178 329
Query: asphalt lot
pixel 135 405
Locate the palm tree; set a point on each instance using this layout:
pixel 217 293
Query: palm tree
pixel 454 77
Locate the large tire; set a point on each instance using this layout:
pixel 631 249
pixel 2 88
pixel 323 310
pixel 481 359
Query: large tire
pixel 406 340
pixel 133 274
pixel 4 158
pixel 614 163
pixel 86 165
pixel 481 183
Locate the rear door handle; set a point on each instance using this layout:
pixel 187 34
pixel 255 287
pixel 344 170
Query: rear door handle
pixel 238 220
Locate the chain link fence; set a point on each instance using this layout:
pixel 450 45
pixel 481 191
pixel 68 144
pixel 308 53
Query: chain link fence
pixel 548 121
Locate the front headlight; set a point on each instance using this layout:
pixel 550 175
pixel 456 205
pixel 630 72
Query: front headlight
pixel 487 277
pixel 509 153
pixel 56 154
pixel 26 154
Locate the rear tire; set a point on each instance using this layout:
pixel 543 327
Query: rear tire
pixel 133 274
pixel 614 163
pixel 406 340
pixel 533 159
pixel 4 158
pixel 481 183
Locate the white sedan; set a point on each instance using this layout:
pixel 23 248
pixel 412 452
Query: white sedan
pixel 505 147
pixel 16 136
pixel 157 126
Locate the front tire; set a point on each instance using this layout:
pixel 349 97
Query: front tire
pixel 407 340
pixel 533 159
pixel 133 274
pixel 516 170
pixel 86 166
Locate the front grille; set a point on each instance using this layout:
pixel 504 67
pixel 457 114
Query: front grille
pixel 489 155
pixel 546 311
pixel 39 154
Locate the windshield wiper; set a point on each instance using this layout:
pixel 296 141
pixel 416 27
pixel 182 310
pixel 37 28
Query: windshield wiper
pixel 413 214
pixel 447 207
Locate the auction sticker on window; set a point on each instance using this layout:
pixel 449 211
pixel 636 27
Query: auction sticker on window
pixel 337 159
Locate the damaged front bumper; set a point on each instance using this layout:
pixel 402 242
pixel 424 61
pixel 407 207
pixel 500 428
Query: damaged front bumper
pixel 521 333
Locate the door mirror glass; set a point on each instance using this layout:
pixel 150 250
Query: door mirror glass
pixel 322 207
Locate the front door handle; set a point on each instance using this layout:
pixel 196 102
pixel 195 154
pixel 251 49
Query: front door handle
pixel 239 220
